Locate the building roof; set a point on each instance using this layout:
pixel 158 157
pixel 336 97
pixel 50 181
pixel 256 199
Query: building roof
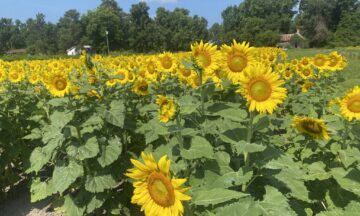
pixel 16 51
pixel 286 38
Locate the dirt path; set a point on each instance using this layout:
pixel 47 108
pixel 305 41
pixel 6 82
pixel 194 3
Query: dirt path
pixel 19 205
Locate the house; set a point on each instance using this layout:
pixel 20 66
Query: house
pixel 77 51
pixel 295 40
pixel 16 51
pixel 73 51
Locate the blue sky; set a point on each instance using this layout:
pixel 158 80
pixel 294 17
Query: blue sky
pixel 54 9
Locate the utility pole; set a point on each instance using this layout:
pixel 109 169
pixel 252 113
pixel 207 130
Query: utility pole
pixel 107 41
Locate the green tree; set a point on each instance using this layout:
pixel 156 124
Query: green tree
pixel 69 30
pixel 107 17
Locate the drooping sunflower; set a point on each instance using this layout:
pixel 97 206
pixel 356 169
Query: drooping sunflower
pixel 206 56
pixel 156 191
pixel 262 88
pixel 236 58
pixel 167 108
pixel 58 83
pixel 350 104
pixel 311 126
pixel 141 87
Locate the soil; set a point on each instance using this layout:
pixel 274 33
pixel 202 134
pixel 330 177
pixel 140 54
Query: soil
pixel 19 205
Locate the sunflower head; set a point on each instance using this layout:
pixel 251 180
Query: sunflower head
pixel 166 62
pixel 236 58
pixel 155 190
pixel 311 126
pixel 320 61
pixel 141 87
pixel 167 108
pixel 350 104
pixel 58 83
pixel 262 88
pixel 206 56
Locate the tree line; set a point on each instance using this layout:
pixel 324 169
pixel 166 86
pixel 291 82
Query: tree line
pixel 322 22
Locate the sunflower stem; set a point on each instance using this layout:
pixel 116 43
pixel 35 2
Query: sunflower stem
pixel 345 135
pixel 249 138
pixel 178 133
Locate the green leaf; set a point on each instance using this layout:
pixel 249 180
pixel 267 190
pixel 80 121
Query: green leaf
pixel 216 196
pixel 35 134
pixel 188 104
pixel 37 160
pixel 89 150
pixel 199 148
pixel 64 176
pixel 244 207
pixel 96 202
pixel 116 114
pixel 60 119
pixel 316 170
pixel 234 135
pixel 349 180
pixel 234 114
pixel 243 146
pixel 40 190
pixel 111 152
pixel 261 123
pixel 71 208
pixel 96 184
pixel 275 203
pixel 231 179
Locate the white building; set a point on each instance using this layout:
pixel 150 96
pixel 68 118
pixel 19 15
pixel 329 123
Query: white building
pixel 77 51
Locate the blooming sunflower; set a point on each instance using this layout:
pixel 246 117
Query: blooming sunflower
pixel 262 88
pixel 206 56
pixel 306 86
pixel 155 190
pixel 335 61
pixel 15 75
pixel 2 75
pixel 236 58
pixel 167 108
pixel 58 83
pixel 320 61
pixel 306 72
pixel 350 104
pixel 141 87
pixel 166 62
pixel 311 126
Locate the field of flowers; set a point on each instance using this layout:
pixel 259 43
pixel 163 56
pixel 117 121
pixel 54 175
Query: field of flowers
pixel 228 130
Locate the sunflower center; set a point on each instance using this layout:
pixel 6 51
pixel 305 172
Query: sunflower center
pixel 306 72
pixel 161 189
pixel 204 59
pixel 143 87
pixel 151 68
pixel 354 105
pixel 14 76
pixel 60 84
pixel 319 62
pixel 166 63
pixel 260 90
pixel 237 63
pixel 186 72
pixel 312 127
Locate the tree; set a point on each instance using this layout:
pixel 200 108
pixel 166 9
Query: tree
pixel 69 30
pixel 107 17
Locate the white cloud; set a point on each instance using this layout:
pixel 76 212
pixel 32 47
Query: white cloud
pixel 160 1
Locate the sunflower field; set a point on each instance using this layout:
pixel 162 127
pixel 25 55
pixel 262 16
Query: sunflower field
pixel 220 130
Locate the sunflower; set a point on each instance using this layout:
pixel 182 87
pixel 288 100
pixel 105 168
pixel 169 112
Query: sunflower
pixel 16 75
pixel 3 75
pixel 58 83
pixel 166 62
pixel 236 58
pixel 350 104
pixel 141 87
pixel 306 86
pixel 305 62
pixel 151 69
pixel 167 108
pixel 155 190
pixel 206 56
pixel 320 61
pixel 262 88
pixel 335 61
pixel 280 68
pixel 121 76
pixel 305 72
pixel 311 126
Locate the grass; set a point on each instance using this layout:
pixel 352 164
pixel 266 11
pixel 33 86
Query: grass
pixel 351 72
